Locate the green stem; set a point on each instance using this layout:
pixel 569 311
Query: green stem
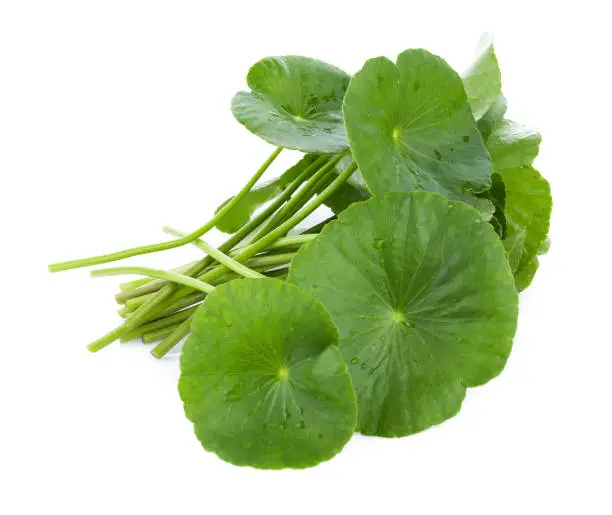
pixel 147 249
pixel 146 285
pixel 262 263
pixel 159 302
pixel 162 348
pixel 171 340
pixel 161 323
pixel 160 274
pixel 296 202
pixel 163 297
pixel 159 334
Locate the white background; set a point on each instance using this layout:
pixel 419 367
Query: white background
pixel 115 120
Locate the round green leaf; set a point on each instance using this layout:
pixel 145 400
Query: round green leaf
pixel 295 102
pixel 262 380
pixel 424 300
pixel 411 127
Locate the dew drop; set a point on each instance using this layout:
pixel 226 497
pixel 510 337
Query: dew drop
pixel 438 155
pixel 466 138
pixel 364 365
pixel 354 361
pixel 378 243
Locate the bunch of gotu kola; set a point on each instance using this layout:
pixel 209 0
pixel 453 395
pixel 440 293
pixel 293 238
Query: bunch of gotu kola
pixel 412 126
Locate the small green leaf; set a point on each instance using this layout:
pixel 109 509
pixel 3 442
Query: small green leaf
pixel 512 145
pixel 482 80
pixel 528 208
pixel 493 116
pixel 424 301
pixel 295 102
pixel 262 379
pixel 411 128
pixel 242 212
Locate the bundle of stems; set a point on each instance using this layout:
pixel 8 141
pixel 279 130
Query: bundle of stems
pixel 160 305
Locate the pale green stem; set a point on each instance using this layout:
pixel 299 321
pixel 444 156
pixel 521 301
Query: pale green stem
pixel 147 249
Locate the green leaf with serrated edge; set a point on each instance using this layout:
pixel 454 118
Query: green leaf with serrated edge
pixel 493 116
pixel 262 379
pixel 424 300
pixel 482 80
pixel 512 145
pixel 410 128
pixel 352 190
pixel 528 208
pixel 242 212
pixel 295 102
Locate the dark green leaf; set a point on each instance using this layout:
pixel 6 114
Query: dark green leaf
pixel 262 380
pixel 424 300
pixel 410 128
pixel 295 102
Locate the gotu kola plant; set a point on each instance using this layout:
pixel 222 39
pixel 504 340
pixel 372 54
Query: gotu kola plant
pixel 380 317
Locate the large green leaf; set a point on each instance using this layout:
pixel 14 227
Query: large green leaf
pixel 482 80
pixel 295 102
pixel 410 128
pixel 424 301
pixel 242 212
pixel 262 380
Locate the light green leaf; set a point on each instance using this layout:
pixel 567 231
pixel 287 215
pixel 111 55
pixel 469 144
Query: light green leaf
pixel 482 80
pixel 512 145
pixel 262 379
pixel 515 246
pixel 424 300
pixel 295 102
pixel 528 208
pixel 411 128
pixel 493 116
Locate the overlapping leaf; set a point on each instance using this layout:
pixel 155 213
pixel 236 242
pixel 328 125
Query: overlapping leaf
pixel 295 102
pixel 424 300
pixel 262 380
pixel 411 128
